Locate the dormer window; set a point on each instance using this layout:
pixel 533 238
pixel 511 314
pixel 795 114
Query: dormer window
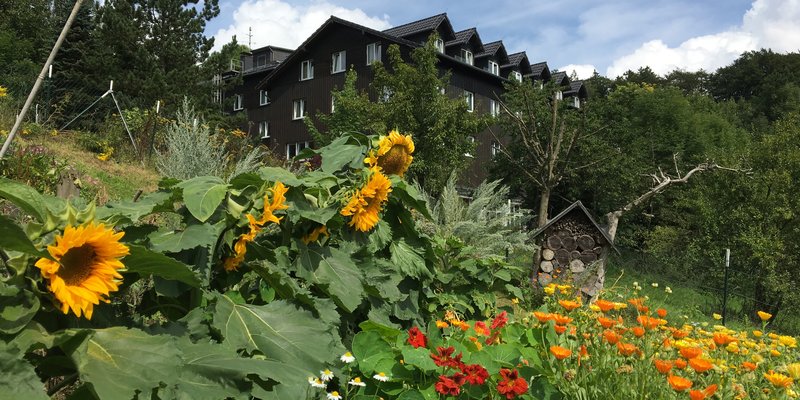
pixel 439 44
pixel 466 56
pixel 261 60
pixel 494 68
pixel 515 75
pixel 306 70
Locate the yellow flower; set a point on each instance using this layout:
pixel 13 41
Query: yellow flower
pixel 366 203
pixel 313 236
pixel 774 353
pixel 764 315
pixel 778 380
pixel 757 333
pixel 84 267
pixel 515 300
pixel 716 316
pixel 787 341
pixel 794 370
pixel 394 154
pixel 549 290
pixel 441 324
pixel 3 91
pixel 278 191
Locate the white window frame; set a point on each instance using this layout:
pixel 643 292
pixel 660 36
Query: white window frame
pixel 576 102
pixel 495 148
pixel 559 95
pixel 467 57
pixel 494 67
pixel 494 107
pixel 470 99
pixel 306 70
pixel 263 129
pixel 238 102
pixel 373 53
pixel 439 44
pixel 298 147
pixel 263 97
pixel 516 75
pixel 338 64
pixel 298 105
pixel 333 104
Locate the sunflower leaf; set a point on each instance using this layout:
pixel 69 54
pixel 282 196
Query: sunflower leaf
pixel 12 237
pixel 334 271
pixel 338 155
pixel 408 260
pixel 19 378
pixel 146 262
pixel 202 195
pixel 24 197
pixel 17 308
pixel 171 241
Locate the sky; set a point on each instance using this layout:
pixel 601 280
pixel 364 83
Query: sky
pixel 610 36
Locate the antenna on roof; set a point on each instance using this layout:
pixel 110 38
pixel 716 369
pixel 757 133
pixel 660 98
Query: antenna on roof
pixel 250 37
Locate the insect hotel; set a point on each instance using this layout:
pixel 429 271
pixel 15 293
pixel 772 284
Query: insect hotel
pixel 572 250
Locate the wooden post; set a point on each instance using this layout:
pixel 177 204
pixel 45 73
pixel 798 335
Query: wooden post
pixel 725 286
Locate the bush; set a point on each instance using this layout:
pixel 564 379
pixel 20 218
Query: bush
pixel 191 150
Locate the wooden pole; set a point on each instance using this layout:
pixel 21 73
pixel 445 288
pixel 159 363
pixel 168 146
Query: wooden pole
pixel 38 84
pixel 725 286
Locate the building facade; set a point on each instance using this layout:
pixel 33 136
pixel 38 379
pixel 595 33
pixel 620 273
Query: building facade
pixel 281 87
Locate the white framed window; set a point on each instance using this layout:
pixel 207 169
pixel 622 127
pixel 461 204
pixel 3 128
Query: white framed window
pixel 495 148
pixel 470 98
pixel 494 67
pixel 373 53
pixel 293 149
pixel 540 85
pixel 263 97
pixel 333 104
pixel 306 70
pixel 263 129
pixel 494 107
pixel 298 109
pixel 238 102
pixel 439 44
pixel 559 95
pixel 515 75
pixel 466 56
pixel 576 102
pixel 338 62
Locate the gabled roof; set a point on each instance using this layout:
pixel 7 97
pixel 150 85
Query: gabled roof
pixel 577 88
pixel 560 78
pixel 423 25
pixel 494 49
pixel 516 58
pixel 518 61
pixel 271 47
pixel 538 69
pixel 465 36
pixel 583 209
pixel 331 21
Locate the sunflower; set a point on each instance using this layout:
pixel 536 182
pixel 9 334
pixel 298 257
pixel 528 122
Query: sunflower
pixel 394 154
pixel 314 235
pixel 367 202
pixel 84 267
pixel 256 225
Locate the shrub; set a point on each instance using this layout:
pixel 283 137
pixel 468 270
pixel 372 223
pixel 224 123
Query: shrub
pixel 191 150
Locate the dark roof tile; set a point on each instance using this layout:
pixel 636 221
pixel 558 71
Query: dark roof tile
pixel 490 48
pixel 538 68
pixel 462 36
pixel 425 24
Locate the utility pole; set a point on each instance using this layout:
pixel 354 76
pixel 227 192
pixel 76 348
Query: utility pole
pixel 725 286
pixel 40 78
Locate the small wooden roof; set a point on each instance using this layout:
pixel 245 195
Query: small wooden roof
pixel 579 206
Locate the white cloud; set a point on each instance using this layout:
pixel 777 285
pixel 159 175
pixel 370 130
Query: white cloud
pixel 278 23
pixel 584 71
pixel 768 24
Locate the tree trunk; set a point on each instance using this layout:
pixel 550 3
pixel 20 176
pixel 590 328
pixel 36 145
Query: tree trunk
pixel 544 205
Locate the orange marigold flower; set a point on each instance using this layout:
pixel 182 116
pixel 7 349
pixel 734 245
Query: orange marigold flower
pixel 661 312
pixel 679 384
pixel 560 329
pixel 723 339
pixel 691 352
pixel 663 366
pixel 680 363
pixel 703 394
pixel 542 317
pixel 604 305
pixel 606 322
pixel 441 324
pixel 461 324
pixel 778 380
pixel 561 319
pixel 648 322
pixel 569 305
pixel 679 334
pixel 611 337
pixel 749 366
pixel 700 365
pixel 559 352
pixel 638 331
pixel 626 349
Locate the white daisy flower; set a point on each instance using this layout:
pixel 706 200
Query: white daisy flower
pixel 334 396
pixel 357 382
pixel 654 284
pixel 326 375
pixel 316 382
pixel 668 290
pixel 381 377
pixel 347 358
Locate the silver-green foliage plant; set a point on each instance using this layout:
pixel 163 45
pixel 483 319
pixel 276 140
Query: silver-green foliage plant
pixel 191 150
pixel 487 223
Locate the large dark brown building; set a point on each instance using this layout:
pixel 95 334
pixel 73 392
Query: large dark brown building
pixel 280 87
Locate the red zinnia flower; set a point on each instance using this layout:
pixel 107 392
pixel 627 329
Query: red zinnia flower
pixel 500 320
pixel 416 338
pixel 475 374
pixel 450 385
pixel 511 385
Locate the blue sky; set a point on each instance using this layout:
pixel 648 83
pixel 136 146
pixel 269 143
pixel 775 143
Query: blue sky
pixel 610 36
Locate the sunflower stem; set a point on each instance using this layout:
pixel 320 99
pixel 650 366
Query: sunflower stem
pixel 68 380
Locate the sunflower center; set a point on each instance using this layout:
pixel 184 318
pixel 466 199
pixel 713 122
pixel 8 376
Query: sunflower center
pixel 395 160
pixel 76 264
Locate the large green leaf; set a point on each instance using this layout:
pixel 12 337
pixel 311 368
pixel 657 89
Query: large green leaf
pixel 24 197
pixel 338 154
pixel 19 379
pixel 334 271
pixel 12 237
pixel 280 331
pixel 17 308
pixel 172 241
pixel 274 174
pixel 118 362
pixel 408 260
pixel 370 350
pixel 298 204
pixel 202 195
pixel 146 262
pixel 132 211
